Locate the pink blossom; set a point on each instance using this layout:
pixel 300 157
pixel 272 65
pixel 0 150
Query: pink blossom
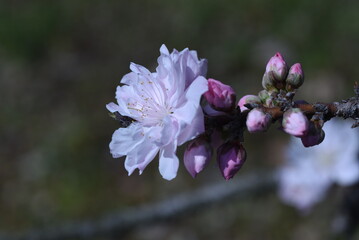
pixel 258 121
pixel 247 99
pixel 165 106
pixel 220 96
pixel 295 122
pixel 197 156
pixel 231 157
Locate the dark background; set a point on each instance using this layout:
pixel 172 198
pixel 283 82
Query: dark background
pixel 60 62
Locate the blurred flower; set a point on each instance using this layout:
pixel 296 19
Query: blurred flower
pixel 248 99
pixel 197 156
pixel 295 122
pixel 220 96
pixel 258 121
pixel 165 108
pixel 309 172
pixel 231 157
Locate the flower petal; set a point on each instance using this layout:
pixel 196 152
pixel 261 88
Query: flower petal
pixel 139 69
pixel 140 157
pixel 169 161
pixel 193 95
pixel 124 140
pixel 169 132
pixel 190 131
pixel 112 107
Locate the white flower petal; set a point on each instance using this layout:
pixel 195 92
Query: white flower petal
pixel 169 131
pixel 190 131
pixel 140 157
pixel 168 161
pixel 188 111
pixel 164 50
pixel 136 68
pixel 112 107
pixel 124 140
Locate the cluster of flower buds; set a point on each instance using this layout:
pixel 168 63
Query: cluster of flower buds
pixel 231 155
pixel 277 76
pixel 280 84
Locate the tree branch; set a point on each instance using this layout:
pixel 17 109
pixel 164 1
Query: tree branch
pixel 113 225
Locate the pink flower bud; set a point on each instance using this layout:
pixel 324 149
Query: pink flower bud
pixel 220 96
pixel 278 66
pixel 295 122
pixel 314 136
pixel 197 155
pixel 248 99
pixel 275 74
pixel 258 121
pixel 230 156
pixel 295 77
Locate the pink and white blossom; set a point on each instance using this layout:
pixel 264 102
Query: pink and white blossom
pixel 197 156
pixel 309 172
pixel 277 66
pixel 165 106
pixel 220 96
pixel 258 121
pixel 231 157
pixel 295 122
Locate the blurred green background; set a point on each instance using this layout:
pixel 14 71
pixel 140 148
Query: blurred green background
pixel 60 63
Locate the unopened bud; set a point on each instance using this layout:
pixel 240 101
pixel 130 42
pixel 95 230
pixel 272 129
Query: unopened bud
pixel 231 157
pixel 258 121
pixel 276 73
pixel 295 122
pixel 314 136
pixel 295 77
pixel 220 96
pixel 248 99
pixel 197 156
pixel 263 95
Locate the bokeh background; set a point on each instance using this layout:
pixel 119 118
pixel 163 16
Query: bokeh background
pixel 60 62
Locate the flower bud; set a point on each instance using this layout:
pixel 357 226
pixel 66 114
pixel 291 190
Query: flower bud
pixel 248 99
pixel 230 156
pixel 263 95
pixel 258 121
pixel 275 74
pixel 197 156
pixel 295 77
pixel 220 96
pixel 295 122
pixel 314 136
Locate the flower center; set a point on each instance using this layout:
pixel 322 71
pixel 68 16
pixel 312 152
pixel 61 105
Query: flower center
pixel 151 105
